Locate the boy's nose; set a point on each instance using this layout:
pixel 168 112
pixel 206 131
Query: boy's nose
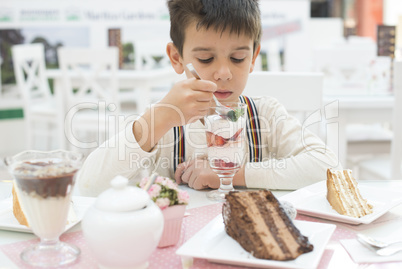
pixel 223 73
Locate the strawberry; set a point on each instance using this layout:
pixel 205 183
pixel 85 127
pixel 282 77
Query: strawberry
pixel 219 140
pixel 229 165
pixel 215 140
pixel 218 163
pixel 210 139
pixel 234 137
pixel 222 164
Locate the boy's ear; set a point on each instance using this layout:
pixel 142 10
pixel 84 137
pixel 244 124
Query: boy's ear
pixel 175 58
pixel 256 53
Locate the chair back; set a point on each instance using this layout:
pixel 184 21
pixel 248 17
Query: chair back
pixel 89 75
pixel 396 144
pixel 42 114
pixel 90 83
pixel 348 67
pixel 300 93
pixel 29 70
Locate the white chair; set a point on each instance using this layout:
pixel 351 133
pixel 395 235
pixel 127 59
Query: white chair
pixel 351 68
pixel 389 167
pixel 151 54
pixel 91 87
pixel 345 66
pixel 300 93
pixel 10 97
pixel 42 117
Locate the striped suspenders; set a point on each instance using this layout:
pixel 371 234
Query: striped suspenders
pixel 253 135
pixel 179 149
pixel 253 129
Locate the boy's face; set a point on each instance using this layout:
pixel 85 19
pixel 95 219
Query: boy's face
pixel 223 58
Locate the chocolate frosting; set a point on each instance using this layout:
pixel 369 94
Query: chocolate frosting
pixel 53 182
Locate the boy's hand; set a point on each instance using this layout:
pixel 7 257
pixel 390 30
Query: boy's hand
pixel 188 101
pixel 197 174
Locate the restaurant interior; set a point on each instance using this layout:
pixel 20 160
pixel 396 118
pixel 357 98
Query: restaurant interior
pixel 75 73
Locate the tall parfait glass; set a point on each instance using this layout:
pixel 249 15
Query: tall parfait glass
pixel 225 136
pixel 43 183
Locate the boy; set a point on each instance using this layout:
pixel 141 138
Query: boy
pixel 222 40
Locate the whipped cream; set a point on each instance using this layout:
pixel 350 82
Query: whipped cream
pixel 232 151
pixel 223 127
pixel 43 168
pixel 46 217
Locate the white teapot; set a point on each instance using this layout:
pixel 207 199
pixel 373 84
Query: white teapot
pixel 123 227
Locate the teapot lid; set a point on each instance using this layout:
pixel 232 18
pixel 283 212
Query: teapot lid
pixel 121 197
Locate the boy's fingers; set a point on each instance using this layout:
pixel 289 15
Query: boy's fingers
pixel 187 175
pixel 201 96
pixel 180 169
pixel 198 185
pixel 179 172
pixel 204 86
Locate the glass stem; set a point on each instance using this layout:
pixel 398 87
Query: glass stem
pixel 49 243
pixel 226 183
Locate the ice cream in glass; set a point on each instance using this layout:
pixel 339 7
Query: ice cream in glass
pixel 226 148
pixel 44 184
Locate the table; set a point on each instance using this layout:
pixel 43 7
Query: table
pixel 354 109
pixel 339 258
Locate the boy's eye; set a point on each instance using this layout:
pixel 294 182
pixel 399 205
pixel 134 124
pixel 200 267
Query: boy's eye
pixel 236 60
pixel 205 61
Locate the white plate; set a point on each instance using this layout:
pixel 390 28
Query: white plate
pixel 212 243
pixel 10 223
pixel 312 201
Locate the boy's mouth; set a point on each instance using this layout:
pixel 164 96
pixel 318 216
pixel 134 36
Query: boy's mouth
pixel 222 94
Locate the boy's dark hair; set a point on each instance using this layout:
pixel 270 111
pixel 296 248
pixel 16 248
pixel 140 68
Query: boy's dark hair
pixel 237 16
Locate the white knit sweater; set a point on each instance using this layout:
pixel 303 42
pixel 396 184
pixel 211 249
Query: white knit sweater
pixel 292 157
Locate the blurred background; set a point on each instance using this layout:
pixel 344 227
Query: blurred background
pixel 352 43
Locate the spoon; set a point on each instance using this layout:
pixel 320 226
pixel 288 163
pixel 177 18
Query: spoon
pixel 371 241
pixel 150 182
pixel 221 109
pixel 380 247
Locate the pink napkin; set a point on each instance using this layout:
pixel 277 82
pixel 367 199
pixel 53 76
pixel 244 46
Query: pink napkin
pixel 161 258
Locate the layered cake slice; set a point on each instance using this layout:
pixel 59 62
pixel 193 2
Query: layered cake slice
pixel 17 210
pixel 344 195
pixel 257 221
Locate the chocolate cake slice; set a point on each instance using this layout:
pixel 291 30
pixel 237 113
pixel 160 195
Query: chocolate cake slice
pixel 256 220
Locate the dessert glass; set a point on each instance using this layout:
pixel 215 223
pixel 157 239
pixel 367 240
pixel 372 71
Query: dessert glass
pixel 44 182
pixel 226 148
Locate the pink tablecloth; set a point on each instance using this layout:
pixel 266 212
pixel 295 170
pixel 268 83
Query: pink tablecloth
pixel 163 257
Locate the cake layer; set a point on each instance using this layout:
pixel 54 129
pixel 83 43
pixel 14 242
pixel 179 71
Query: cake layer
pixel 17 210
pixel 259 224
pixel 344 196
